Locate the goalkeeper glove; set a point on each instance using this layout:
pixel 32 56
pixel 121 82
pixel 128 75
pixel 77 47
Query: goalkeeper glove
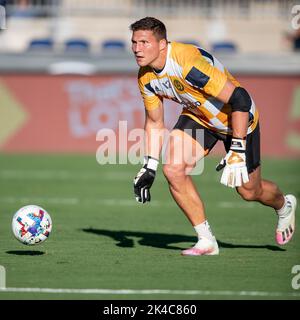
pixel 234 164
pixel 144 180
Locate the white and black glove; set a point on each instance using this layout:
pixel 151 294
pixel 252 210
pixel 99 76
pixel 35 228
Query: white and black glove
pixel 234 164
pixel 144 180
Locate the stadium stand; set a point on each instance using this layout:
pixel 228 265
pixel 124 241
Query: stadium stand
pixel 77 45
pixel 43 44
pixel 189 41
pixel 254 26
pixel 224 47
pixel 113 45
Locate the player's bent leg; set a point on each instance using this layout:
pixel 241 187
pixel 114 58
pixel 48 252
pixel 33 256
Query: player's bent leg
pixel 179 162
pixel 268 193
pixel 252 190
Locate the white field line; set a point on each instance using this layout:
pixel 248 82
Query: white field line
pixel 40 174
pixel 156 291
pixel 237 205
pixel 40 200
pixel 110 202
pixel 63 175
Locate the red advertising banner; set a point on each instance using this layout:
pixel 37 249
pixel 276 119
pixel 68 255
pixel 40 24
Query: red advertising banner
pixel 43 113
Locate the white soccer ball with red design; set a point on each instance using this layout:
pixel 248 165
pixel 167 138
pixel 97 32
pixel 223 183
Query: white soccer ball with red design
pixel 31 224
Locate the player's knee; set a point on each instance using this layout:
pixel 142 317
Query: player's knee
pixel 173 172
pixel 248 194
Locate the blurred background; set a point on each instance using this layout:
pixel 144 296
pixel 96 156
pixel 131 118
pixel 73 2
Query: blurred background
pixel 66 69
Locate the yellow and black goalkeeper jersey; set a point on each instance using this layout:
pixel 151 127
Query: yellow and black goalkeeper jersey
pixel 194 78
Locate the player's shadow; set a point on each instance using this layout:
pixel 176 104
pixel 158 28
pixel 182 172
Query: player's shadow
pixel 164 240
pixel 26 252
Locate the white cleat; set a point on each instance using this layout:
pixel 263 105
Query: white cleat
pixel 204 246
pixel 286 225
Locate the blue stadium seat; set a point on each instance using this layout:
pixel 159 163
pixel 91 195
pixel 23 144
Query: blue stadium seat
pixel 43 44
pixel 115 45
pixel 77 45
pixel 224 46
pixel 190 41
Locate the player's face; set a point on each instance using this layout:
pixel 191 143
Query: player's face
pixel 145 47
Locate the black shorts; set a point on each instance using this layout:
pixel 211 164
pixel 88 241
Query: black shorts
pixel 211 138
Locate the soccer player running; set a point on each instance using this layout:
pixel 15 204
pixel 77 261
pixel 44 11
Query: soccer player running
pixel 214 101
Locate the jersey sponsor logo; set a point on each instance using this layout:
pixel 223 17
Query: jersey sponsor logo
pixel 162 87
pixel 178 85
pixel 166 83
pixel 192 106
pixel 157 89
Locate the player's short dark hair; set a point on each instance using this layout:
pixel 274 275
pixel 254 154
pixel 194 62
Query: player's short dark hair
pixel 149 23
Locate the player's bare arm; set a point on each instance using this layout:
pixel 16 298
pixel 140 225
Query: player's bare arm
pixel 154 130
pixel 239 119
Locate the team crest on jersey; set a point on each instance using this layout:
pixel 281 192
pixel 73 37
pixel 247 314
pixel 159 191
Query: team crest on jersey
pixel 178 85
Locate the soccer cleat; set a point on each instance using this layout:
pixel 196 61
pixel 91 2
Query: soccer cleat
pixel 286 225
pixel 203 247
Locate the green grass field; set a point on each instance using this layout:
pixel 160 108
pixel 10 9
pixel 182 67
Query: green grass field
pixel 103 239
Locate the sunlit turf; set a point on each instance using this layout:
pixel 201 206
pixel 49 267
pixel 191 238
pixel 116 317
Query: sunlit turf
pixel 103 239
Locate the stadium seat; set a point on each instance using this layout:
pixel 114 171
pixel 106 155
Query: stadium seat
pixel 189 41
pixel 43 44
pixel 224 46
pixel 77 45
pixel 113 45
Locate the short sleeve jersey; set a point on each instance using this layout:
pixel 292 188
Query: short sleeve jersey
pixel 192 77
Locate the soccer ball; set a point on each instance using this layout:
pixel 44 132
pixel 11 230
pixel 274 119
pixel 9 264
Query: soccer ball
pixel 31 225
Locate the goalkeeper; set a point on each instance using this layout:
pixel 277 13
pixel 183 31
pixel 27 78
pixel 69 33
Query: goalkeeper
pixel 215 102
